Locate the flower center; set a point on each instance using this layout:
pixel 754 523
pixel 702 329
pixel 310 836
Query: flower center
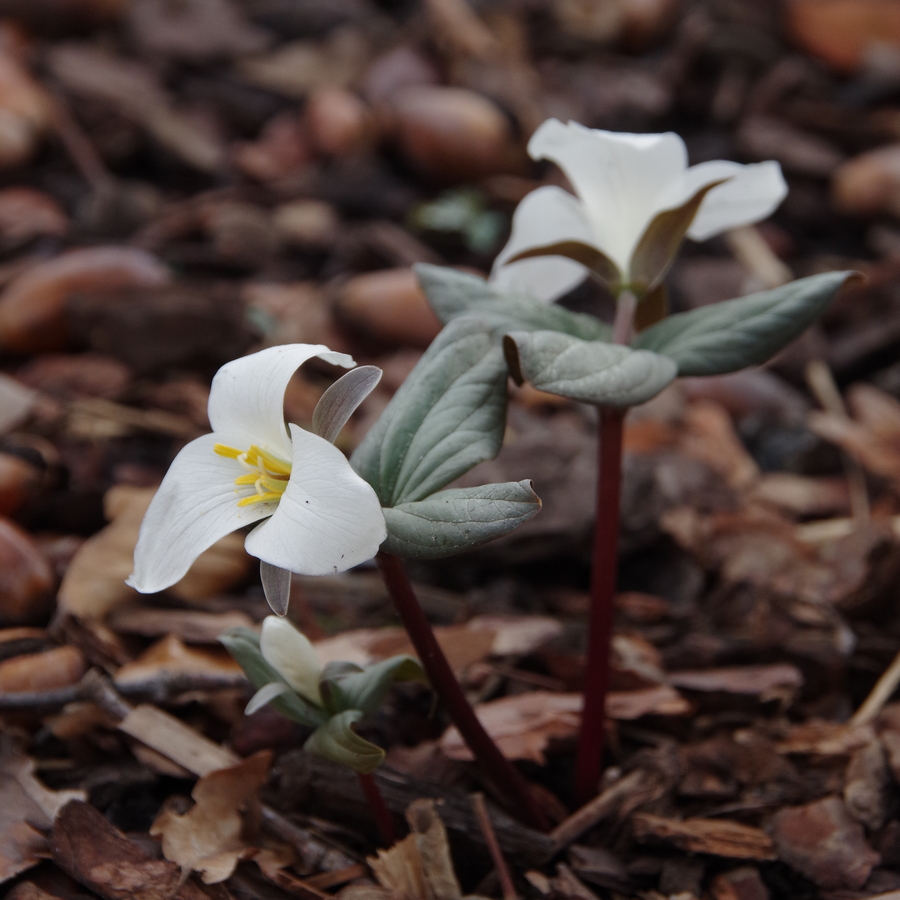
pixel 268 474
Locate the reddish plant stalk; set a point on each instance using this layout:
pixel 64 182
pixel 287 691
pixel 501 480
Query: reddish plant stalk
pixel 379 809
pixel 589 760
pixel 507 779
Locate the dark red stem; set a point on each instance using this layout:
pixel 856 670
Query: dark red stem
pixel 495 765
pixel 589 762
pixel 379 809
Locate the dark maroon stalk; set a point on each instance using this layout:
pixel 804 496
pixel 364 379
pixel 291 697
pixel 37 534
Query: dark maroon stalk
pixel 495 765
pixel 379 809
pixel 589 761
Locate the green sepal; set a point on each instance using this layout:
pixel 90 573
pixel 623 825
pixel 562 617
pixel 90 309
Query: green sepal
pixel 346 686
pixel 724 337
pixel 336 740
pixel 243 645
pixel 458 519
pixel 609 375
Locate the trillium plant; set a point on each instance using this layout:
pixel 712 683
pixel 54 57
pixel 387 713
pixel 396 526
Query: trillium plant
pixel 635 200
pixel 282 665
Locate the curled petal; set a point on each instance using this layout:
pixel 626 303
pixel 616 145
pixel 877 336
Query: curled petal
pixel 289 652
pixel 618 177
pixel 196 504
pixel 548 215
pixel 265 695
pixel 328 519
pixel 751 193
pixel 247 395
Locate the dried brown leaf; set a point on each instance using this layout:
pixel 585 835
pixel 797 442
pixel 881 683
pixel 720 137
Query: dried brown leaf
pixel 210 837
pixel 718 837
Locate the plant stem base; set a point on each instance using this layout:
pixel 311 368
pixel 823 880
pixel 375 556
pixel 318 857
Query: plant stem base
pixel 506 778
pixel 589 760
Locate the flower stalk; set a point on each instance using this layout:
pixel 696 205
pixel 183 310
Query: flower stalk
pixel 379 808
pixel 506 778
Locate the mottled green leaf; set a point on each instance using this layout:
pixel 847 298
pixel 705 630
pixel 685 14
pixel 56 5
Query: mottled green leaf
pixel 336 740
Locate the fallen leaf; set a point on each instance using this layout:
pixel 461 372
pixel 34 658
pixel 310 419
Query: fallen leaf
pixel 522 726
pixel 718 837
pixel 90 850
pixel 170 655
pixel 209 838
pixel 765 681
pixel 45 671
pixel 662 700
pixel 822 841
pixel 94 583
pixel 824 738
pixel 27 807
pixel 517 635
pixel 192 626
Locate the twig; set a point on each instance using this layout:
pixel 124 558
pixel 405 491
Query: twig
pixel 821 383
pixel 156 690
pixel 484 821
pixel 507 778
pixel 879 695
pixel 596 810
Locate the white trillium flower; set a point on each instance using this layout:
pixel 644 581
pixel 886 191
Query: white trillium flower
pixel 320 516
pixel 622 184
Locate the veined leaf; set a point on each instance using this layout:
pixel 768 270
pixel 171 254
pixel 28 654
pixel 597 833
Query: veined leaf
pixel 447 417
pixel 590 371
pixel 724 337
pixel 336 740
pixel 458 519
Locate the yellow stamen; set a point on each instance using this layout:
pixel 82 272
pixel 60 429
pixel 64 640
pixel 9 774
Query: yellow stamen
pixel 268 474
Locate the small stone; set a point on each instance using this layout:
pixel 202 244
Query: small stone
pixel 340 123
pixel 307 223
pixel 744 883
pixel 42 671
pixel 26 579
pixel 823 842
pixel 389 306
pixel 452 134
pixel 32 307
pixel 869 183
pixel 19 481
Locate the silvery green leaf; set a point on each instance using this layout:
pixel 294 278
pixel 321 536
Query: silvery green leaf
pixel 458 519
pixel 265 695
pixel 447 416
pixel 276 584
pixel 452 294
pixel 243 645
pixel 590 371
pixel 341 399
pixel 336 740
pixel 724 337
pixel 349 687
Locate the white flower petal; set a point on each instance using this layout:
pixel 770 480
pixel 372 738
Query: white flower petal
pixel 196 504
pixel 289 652
pixel 247 395
pixel 751 194
pixel 328 519
pixel 618 177
pixel 546 278
pixel 546 216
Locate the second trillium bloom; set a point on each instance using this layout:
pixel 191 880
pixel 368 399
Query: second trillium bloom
pixel 319 516
pixel 635 200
